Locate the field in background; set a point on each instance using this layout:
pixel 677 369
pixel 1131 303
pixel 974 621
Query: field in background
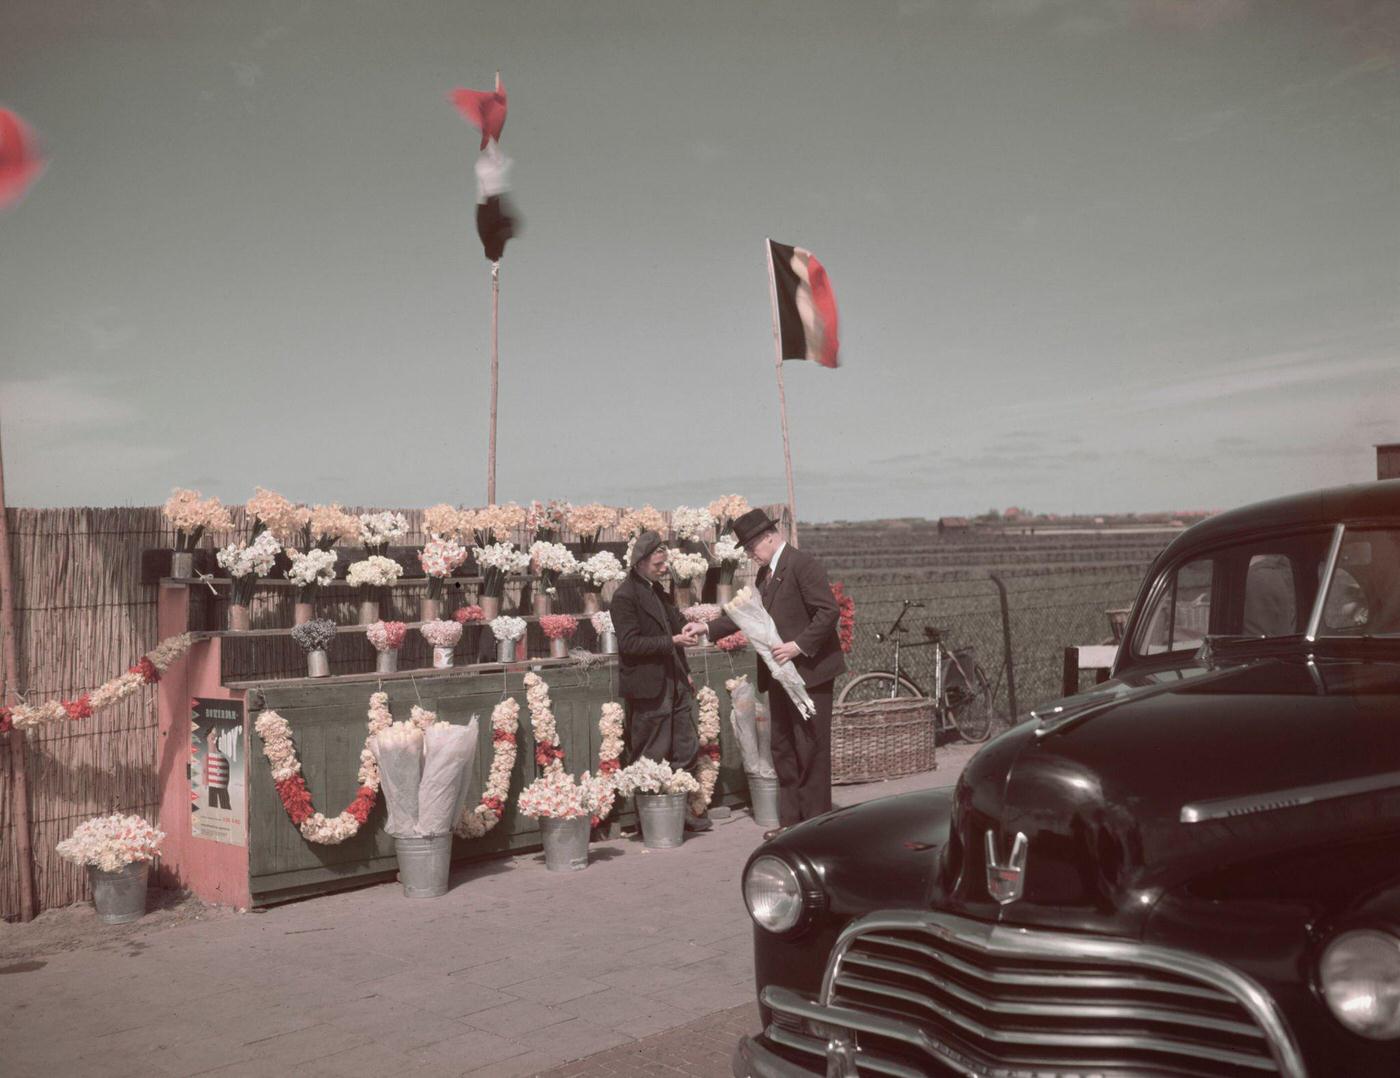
pixel 1059 583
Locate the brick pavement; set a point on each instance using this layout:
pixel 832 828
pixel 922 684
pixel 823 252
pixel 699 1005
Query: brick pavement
pixel 640 961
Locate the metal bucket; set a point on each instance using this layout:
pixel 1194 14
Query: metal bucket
pixel 565 843
pixel 763 800
pixel 505 651
pixel 303 612
pixel 424 864
pixel 592 602
pixel 318 664
pixel 607 643
pixel 442 658
pixel 120 896
pixel 369 611
pixel 240 617
pixel 429 609
pixel 662 817
pixel 182 564
pixel 386 662
pixel 559 647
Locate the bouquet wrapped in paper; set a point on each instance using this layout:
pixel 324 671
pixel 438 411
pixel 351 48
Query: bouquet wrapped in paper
pixel 749 717
pixel 425 767
pixel 746 610
pixel 399 752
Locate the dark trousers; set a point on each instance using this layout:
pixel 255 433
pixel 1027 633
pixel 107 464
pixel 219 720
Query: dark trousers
pixel 664 729
pixel 218 797
pixel 801 754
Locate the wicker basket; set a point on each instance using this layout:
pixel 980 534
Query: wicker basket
pixel 881 739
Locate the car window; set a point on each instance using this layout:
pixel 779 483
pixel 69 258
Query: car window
pixel 1363 597
pixel 1270 596
pixel 1181 616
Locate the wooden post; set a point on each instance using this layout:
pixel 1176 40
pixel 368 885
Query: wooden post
pixel 495 378
pixel 782 393
pixel 19 775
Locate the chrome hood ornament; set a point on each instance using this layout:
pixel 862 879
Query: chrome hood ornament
pixel 1005 882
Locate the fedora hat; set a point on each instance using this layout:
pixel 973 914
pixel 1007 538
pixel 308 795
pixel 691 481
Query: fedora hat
pixel 751 525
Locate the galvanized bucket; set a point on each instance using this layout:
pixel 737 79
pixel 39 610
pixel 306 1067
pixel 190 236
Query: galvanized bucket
pixel 505 651
pixel 607 643
pixel 763 800
pixel 386 662
pixel 369 611
pixel 182 564
pixel 318 664
pixel 120 896
pixel 424 864
pixel 662 817
pixel 565 843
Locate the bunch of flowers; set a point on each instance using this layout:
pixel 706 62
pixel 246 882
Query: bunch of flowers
pixel 703 612
pixel 465 615
pixel 191 517
pixel 376 571
pixel 690 524
pixel 846 626
pixel 506 628
pixel 146 671
pixel 587 523
pixel 648 776
pixel 495 562
pixel 547 521
pixel 446 521
pixel 599 569
pixel 728 508
pixel 245 562
pixel 111 842
pixel 439 559
pixel 497 522
pixel 556 796
pixel 281 753
pixel 602 622
pixel 726 554
pixel 310 570
pixel 475 822
pixel 551 561
pixel 314 635
pixel 378 530
pixel 558 626
pixel 733 642
pixel 386 635
pixel 753 727
pixel 269 511
pixel 440 633
pixel 707 763
pixel 328 524
pixel 647 518
pixel 685 567
pixel 548 754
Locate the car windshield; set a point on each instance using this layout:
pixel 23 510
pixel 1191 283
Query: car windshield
pixel 1363 596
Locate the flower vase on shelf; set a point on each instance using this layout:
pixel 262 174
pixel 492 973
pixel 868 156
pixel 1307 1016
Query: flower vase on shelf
pixel 429 608
pixel 369 611
pixel 318 664
pixel 240 617
pixel 386 662
pixel 558 648
pixel 681 593
pixel 723 593
pixel 303 613
pixel 442 658
pixel 542 602
pixel 182 564
pixel 505 651
pixel 592 602
pixel 607 643
pixel 490 606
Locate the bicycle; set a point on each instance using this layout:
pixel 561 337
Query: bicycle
pixel 962 692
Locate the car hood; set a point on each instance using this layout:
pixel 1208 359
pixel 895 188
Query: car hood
pixel 1140 788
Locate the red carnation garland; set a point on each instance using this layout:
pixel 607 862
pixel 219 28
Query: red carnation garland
pixel 846 627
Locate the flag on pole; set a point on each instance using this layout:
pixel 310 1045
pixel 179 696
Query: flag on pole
pixel 804 305
pixel 20 161
pixel 495 220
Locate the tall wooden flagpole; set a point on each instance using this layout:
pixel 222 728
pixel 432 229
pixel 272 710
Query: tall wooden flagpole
pixel 495 378
pixel 782 393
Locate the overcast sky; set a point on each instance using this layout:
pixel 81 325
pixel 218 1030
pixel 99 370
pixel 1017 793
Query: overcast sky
pixel 1090 255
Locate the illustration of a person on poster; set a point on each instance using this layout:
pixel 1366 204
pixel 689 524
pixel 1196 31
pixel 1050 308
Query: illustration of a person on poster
pixel 216 771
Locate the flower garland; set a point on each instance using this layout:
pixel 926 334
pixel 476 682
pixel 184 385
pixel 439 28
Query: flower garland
pixel 281 753
pixel 548 754
pixel 146 671
pixel 707 763
pixel 609 759
pixel 846 627
pixel 475 822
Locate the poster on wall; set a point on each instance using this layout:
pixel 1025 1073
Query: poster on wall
pixel 218 772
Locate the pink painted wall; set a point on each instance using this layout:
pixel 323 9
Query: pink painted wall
pixel 216 872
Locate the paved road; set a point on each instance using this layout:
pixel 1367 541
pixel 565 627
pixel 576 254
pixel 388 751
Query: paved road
pixel 641 964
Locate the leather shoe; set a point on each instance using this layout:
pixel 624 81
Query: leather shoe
pixel 697 823
pixel 768 836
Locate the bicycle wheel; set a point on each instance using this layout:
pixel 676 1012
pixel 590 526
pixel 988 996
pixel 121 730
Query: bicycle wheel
pixel 970 706
pixel 877 685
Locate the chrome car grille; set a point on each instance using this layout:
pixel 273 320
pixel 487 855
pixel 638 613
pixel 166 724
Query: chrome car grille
pixel 925 993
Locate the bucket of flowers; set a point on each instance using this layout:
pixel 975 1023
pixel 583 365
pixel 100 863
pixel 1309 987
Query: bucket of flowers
pixel 685 567
pixel 597 571
pixel 564 806
pixel 386 637
pixel 560 629
pixel 244 563
pixel 549 561
pixel 660 793
pixel 440 558
pixel 726 555
pixel 192 518
pixel 375 574
pixel 443 636
pixel 587 523
pixel 310 571
pixel 118 851
pixel 496 561
pixel 607 635
pixel 314 637
pixel 508 631
pixel 379 530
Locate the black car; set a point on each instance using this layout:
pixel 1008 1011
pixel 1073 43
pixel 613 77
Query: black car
pixel 1193 869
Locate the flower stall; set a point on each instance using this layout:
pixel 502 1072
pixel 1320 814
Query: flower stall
pixel 270 788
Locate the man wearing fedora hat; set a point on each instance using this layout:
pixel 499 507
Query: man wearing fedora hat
pixel 653 673
pixel 797 596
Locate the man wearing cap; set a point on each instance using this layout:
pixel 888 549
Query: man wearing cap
pixel 797 595
pixel 653 674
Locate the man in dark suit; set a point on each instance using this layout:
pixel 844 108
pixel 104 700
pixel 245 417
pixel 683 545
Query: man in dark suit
pixel 653 673
pixel 797 596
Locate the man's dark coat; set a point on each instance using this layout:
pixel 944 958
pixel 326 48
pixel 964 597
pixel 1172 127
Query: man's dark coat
pixel 649 662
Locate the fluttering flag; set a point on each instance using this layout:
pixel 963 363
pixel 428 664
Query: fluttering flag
pixel 20 161
pixel 496 221
pixel 805 305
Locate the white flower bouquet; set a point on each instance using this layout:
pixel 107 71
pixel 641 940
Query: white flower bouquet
pixel 439 559
pixel 648 776
pixel 310 570
pixel 726 554
pixel 694 525
pixel 600 569
pixel 685 567
pixel 752 727
pixel 441 634
pixel 551 561
pixel 557 795
pixel 245 562
pixel 111 842
pixel 506 628
pixel 602 622
pixel 496 561
pixel 378 530
pixel 746 609
pixel 376 571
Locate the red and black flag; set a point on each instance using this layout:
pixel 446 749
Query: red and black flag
pixel 20 161
pixel 496 221
pixel 804 305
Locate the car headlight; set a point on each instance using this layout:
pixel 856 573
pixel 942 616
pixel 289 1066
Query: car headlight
pixel 1360 977
pixel 773 894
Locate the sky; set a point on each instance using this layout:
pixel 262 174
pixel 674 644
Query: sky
pixel 1090 255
